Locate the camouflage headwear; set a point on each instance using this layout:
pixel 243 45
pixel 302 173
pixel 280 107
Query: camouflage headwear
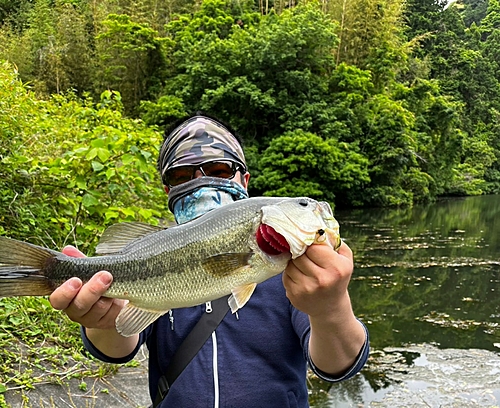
pixel 198 140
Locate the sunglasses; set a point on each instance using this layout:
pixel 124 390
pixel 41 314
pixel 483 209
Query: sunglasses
pixel 225 169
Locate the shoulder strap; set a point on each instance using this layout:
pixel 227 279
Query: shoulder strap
pixel 191 345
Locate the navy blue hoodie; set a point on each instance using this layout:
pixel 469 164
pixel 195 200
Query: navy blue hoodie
pixel 256 358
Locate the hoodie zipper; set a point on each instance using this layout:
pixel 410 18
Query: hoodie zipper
pixel 171 319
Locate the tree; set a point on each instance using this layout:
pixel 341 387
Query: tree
pixel 13 11
pixel 491 21
pixel 248 75
pixel 130 59
pixel 153 13
pixel 465 66
pixel 473 11
pixel 303 164
pixel 54 52
pixel 370 37
pixel 438 138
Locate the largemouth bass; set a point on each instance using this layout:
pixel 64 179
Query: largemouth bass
pixel 226 251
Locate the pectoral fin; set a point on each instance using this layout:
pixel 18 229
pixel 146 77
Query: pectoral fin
pixel 132 320
pixel 226 264
pixel 240 296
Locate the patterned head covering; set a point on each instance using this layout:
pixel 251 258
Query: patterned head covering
pixel 198 140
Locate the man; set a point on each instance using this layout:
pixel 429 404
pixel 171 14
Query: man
pixel 257 357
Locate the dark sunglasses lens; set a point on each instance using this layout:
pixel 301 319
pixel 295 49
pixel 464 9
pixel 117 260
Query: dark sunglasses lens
pixel 219 169
pixel 179 175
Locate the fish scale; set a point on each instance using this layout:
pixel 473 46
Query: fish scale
pixel 160 269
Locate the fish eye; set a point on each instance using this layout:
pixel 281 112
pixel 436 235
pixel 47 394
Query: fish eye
pixel 303 203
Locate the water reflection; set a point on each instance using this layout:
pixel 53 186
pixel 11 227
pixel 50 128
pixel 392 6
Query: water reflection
pixel 427 274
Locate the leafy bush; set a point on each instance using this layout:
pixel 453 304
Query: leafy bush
pixel 70 167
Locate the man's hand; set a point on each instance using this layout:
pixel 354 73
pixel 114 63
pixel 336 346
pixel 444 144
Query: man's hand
pixel 316 283
pixel 84 303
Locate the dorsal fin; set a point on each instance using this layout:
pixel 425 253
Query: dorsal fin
pixel 118 236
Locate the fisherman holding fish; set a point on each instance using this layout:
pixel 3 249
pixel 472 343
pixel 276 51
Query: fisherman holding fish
pixel 256 357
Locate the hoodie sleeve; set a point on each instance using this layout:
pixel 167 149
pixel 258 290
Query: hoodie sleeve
pixel 301 325
pixel 94 351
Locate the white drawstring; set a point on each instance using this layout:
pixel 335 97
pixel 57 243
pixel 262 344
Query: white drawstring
pixel 216 371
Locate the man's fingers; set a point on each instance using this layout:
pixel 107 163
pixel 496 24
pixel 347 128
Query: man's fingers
pixel 89 294
pixel 62 297
pixel 103 314
pixel 70 250
pixel 344 250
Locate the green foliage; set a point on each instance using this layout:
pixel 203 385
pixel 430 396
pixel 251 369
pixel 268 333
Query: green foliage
pixel 14 11
pixel 166 110
pixel 246 74
pixel 491 20
pixel 479 156
pixel 130 59
pixel 303 164
pixel 411 86
pixel 474 11
pixel 54 51
pixel 213 18
pixel 152 13
pixel 370 37
pixel 280 75
pixel 464 61
pixel 70 168
pixel 439 141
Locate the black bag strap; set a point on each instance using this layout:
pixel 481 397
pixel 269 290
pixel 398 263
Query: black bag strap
pixel 191 345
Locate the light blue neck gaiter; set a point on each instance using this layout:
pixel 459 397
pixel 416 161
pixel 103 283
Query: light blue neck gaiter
pixel 196 197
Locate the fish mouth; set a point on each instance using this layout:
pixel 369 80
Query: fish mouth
pixel 270 241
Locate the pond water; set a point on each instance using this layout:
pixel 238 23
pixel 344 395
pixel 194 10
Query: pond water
pixel 423 275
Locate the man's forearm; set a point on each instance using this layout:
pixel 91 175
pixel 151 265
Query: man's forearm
pixel 111 343
pixel 336 340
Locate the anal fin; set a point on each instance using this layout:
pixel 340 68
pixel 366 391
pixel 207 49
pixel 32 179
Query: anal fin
pixel 132 319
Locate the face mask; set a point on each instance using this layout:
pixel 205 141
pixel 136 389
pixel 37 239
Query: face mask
pixel 196 197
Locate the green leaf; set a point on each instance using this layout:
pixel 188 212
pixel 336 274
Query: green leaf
pixel 91 154
pixel 97 166
pixel 81 182
pixel 128 158
pixel 110 173
pixel 128 212
pixel 145 213
pixel 98 143
pixel 89 200
pixel 110 214
pixel 103 154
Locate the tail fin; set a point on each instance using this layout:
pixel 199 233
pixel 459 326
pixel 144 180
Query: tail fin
pixel 22 269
